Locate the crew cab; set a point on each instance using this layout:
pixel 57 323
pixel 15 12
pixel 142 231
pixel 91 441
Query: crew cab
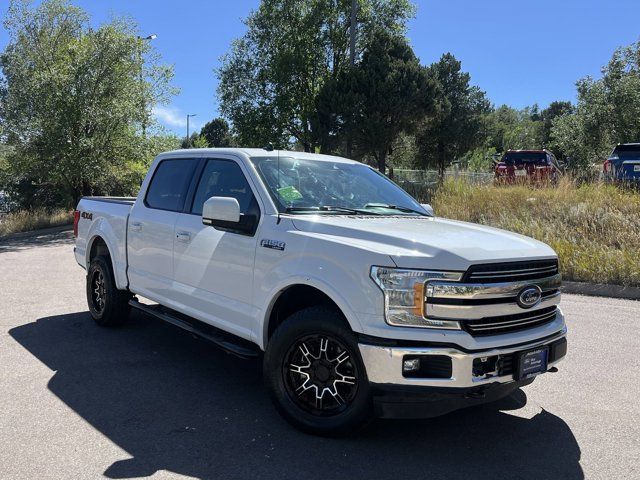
pixel 359 300
pixel 623 165
pixel 531 166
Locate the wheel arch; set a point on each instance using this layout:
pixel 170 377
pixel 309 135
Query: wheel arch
pixel 297 296
pixel 99 245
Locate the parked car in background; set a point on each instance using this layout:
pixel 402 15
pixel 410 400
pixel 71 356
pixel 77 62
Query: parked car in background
pixel 527 166
pixel 623 165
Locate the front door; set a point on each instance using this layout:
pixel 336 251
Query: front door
pixel 213 269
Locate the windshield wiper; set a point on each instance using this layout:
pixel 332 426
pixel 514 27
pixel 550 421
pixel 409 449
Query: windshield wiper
pixel 329 208
pixel 395 207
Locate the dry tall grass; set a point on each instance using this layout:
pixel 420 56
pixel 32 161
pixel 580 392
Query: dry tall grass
pixel 25 220
pixel 594 228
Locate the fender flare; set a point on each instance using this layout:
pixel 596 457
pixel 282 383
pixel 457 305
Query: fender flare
pixel 325 288
pixel 101 229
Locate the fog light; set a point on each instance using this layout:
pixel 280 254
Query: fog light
pixel 411 365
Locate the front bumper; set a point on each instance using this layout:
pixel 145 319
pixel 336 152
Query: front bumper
pixel 458 378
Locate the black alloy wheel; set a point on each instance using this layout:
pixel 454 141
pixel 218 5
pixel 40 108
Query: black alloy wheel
pixel 319 374
pixel 315 375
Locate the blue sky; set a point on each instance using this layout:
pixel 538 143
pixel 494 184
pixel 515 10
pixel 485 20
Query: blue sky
pixel 519 51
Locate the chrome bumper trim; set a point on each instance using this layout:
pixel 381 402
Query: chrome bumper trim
pixel 384 364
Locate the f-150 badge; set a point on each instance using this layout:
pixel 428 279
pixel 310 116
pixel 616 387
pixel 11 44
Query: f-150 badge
pixel 273 244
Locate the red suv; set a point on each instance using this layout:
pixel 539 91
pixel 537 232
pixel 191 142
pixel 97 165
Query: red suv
pixel 527 166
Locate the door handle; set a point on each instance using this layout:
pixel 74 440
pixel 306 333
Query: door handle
pixel 136 226
pixel 183 236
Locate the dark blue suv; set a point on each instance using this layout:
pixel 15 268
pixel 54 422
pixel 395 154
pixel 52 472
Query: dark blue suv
pixel 623 165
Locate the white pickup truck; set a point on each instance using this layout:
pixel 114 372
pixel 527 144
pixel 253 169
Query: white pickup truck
pixel 363 302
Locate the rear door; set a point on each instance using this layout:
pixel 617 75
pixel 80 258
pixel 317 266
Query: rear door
pixel 213 268
pixel 150 232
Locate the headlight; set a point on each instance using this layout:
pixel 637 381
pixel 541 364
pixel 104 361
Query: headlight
pixel 404 296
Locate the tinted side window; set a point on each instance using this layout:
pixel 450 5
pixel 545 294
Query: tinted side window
pixel 169 184
pixel 222 178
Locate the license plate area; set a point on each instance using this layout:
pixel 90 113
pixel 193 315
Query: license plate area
pixel 636 168
pixel 532 362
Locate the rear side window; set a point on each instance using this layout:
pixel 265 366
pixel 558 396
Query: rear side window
pixel 169 184
pixel 222 178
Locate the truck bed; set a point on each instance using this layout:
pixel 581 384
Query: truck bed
pixel 120 200
pixel 107 218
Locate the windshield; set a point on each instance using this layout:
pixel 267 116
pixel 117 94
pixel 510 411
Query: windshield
pixel 312 186
pixel 529 158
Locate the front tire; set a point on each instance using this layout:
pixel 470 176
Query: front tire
pixel 108 306
pixel 314 373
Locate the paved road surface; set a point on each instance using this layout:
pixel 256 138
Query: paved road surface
pixel 78 401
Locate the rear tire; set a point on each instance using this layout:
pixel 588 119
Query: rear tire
pixel 315 375
pixel 108 306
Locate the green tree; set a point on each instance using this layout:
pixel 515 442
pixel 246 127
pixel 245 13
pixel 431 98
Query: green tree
pixel 390 91
pixel 270 79
pixel 607 112
pixel 189 142
pixel 456 126
pixel 217 133
pixel 74 98
pixel 548 115
pixel 200 142
pixel 508 128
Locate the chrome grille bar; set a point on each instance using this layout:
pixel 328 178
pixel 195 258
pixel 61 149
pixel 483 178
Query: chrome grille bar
pixel 486 301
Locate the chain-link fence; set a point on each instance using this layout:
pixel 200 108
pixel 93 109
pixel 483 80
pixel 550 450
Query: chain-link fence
pixel 422 183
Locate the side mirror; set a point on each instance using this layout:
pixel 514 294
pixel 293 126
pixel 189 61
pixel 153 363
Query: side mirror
pixel 223 213
pixel 220 209
pixel 428 208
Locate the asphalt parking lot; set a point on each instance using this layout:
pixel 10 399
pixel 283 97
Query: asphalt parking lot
pixel 78 401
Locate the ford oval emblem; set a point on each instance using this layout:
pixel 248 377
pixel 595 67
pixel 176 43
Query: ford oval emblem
pixel 529 296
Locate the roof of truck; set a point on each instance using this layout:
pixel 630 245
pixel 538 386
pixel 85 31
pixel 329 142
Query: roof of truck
pixel 261 152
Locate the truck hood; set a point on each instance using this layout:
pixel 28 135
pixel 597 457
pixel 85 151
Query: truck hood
pixel 426 242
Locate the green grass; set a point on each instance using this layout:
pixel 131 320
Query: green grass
pixel 594 228
pixel 26 220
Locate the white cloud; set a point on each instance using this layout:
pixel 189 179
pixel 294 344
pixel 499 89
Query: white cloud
pixel 174 118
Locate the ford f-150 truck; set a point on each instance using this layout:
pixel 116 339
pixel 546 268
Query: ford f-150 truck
pixel 360 300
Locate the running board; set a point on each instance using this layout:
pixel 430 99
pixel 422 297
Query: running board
pixel 228 342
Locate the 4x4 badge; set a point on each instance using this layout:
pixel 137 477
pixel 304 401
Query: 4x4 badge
pixel 273 244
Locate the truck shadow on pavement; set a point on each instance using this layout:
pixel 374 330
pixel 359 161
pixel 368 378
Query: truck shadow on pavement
pixel 179 404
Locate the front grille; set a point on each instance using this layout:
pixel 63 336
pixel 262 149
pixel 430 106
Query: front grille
pixel 485 301
pixel 510 323
pixel 511 272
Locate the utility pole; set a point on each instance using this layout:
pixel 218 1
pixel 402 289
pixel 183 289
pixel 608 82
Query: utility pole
pixel 188 139
pixel 352 57
pixel 148 38
pixel 352 33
